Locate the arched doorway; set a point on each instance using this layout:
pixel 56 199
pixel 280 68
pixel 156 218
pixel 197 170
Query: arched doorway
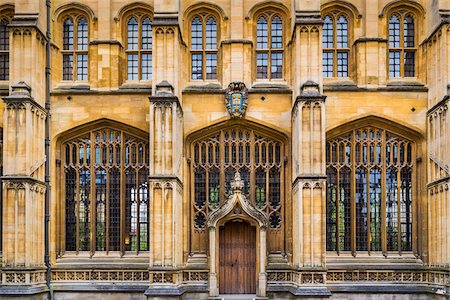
pixel 237 258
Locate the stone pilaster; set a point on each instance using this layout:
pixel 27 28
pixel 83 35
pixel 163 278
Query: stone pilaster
pixel 309 184
pixel 307 45
pixel 166 189
pixel 166 50
pixel 23 192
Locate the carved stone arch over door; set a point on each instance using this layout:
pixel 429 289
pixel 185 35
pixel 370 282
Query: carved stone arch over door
pixel 237 207
pixel 258 154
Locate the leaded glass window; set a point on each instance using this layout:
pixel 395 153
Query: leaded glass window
pixel 258 159
pixel 369 191
pixel 204 47
pixel 105 175
pixel 75 49
pixel 335 45
pixel 269 47
pixel 4 49
pixel 402 45
pixel 139 48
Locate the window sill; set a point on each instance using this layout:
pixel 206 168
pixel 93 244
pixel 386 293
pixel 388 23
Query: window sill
pixel 73 85
pixel 134 85
pixel 4 87
pixel 204 87
pixel 270 87
pixel 339 84
pixel 405 84
pixel 374 261
pixel 102 260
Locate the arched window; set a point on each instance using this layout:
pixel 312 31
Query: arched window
pixel 335 44
pixel 139 48
pixel 4 49
pixel 369 191
pixel 269 47
pixel 75 48
pixel 105 181
pixel 402 45
pixel 204 47
pixel 256 157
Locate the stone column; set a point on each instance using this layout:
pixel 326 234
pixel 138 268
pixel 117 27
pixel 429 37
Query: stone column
pixel 23 192
pixel 23 270
pixel 166 236
pixel 308 190
pixel 213 287
pixel 308 152
pixel 262 278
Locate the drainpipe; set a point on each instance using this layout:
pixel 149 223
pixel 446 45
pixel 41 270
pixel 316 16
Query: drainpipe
pixel 47 152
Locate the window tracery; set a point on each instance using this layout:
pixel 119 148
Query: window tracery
pixel 269 46
pixel 106 191
pixel 75 48
pixel 402 44
pixel 139 41
pixel 204 47
pixel 369 180
pixel 335 44
pixel 4 47
pixel 258 160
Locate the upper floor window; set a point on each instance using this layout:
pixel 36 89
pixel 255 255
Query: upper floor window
pixel 139 48
pixel 203 47
pixel 335 46
pixel 369 207
pixel 402 45
pixel 4 49
pixel 75 49
pixel 269 47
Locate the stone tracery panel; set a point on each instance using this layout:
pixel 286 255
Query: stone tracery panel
pixel 259 160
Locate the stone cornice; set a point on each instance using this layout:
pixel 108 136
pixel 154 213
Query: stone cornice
pixel 22 178
pixel 444 100
pixel 21 94
pixel 308 178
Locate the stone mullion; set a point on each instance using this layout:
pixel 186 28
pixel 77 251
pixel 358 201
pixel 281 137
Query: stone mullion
pixel 122 193
pixel 338 199
pixel 137 199
pixel 353 193
pixel 383 192
pixel 107 216
pixel 92 196
pixel 77 206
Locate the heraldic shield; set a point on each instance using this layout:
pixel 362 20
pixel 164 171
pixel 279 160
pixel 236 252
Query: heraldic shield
pixel 236 99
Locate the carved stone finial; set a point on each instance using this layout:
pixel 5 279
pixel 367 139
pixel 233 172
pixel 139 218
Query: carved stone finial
pixel 21 88
pixel 164 88
pixel 310 88
pixel 237 184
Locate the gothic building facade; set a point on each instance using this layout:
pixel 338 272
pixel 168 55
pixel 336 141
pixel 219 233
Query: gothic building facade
pixel 166 149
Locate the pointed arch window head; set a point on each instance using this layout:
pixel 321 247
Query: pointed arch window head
pixel 204 47
pixel 269 47
pixel 75 49
pixel 4 49
pixel 139 48
pixel 402 45
pixel 256 157
pixel 335 44
pixel 369 192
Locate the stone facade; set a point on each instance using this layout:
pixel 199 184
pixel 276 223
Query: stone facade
pixel 57 120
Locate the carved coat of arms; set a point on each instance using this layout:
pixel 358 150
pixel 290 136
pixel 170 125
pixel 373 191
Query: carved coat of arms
pixel 236 99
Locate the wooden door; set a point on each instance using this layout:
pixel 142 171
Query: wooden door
pixel 237 258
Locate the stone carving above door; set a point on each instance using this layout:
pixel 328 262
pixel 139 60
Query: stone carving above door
pixel 237 201
pixel 236 99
